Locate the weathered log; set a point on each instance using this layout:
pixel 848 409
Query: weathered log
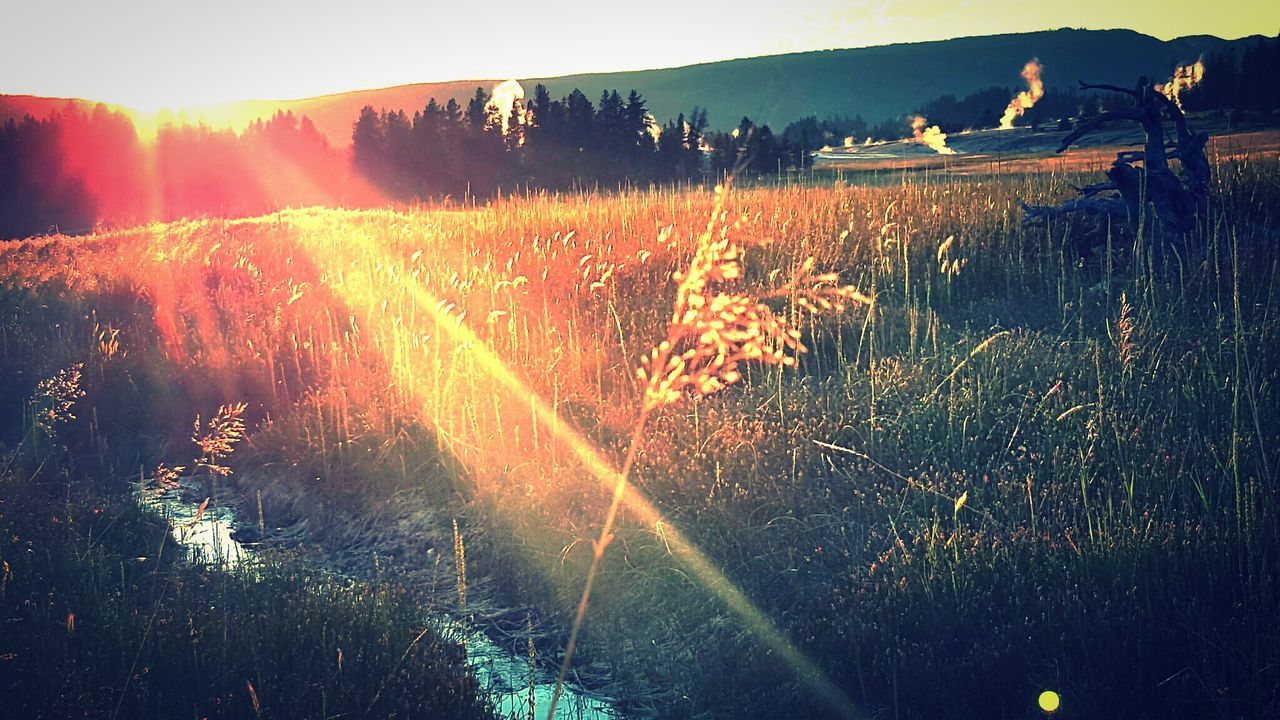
pixel 1094 189
pixel 1112 207
pixel 1175 200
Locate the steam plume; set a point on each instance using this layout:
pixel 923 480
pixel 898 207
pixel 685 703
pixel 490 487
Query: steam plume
pixel 652 127
pixel 931 136
pixel 1026 98
pixel 504 96
pixel 1184 78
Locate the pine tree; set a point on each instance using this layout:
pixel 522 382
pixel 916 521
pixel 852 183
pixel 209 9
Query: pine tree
pixel 638 129
pixel 579 117
pixel 369 144
pixel 400 154
pixel 516 126
pixel 477 111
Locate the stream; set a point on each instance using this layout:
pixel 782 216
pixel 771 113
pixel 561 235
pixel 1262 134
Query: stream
pixel 206 534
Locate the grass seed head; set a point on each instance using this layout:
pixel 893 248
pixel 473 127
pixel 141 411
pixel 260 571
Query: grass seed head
pixel 713 329
pixel 218 438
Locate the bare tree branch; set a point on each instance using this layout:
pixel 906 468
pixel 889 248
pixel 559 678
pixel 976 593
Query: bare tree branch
pixel 1098 121
pixel 1139 177
pixel 1113 88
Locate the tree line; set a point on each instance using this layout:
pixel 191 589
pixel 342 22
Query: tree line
pixel 451 150
pixel 77 169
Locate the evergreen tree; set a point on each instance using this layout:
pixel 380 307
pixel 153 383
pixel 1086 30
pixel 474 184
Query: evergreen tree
pixel 671 155
pixel 477 111
pixel 484 148
pixel 400 154
pixel 1258 67
pixel 544 133
pixel 432 175
pixel 516 126
pixel 610 126
pixel 579 131
pixel 766 152
pixel 369 144
pixel 638 129
pixel 579 120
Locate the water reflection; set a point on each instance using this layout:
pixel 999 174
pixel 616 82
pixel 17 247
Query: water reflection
pixel 205 530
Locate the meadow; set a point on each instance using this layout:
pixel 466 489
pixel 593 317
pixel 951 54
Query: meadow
pixel 1007 459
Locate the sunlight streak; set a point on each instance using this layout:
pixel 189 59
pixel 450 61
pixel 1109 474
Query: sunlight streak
pixel 512 398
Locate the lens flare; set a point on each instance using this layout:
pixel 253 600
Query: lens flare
pixel 478 440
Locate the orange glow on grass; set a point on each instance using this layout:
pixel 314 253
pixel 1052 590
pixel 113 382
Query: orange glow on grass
pixel 330 300
pixel 475 401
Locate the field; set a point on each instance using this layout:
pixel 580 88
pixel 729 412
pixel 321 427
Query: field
pixel 1005 460
pixel 1024 150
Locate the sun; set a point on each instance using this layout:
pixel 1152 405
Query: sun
pixel 162 94
pixel 151 111
pixel 151 105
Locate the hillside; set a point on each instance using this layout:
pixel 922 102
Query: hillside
pixel 882 82
pixel 876 82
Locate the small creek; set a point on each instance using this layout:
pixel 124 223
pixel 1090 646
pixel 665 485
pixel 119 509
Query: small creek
pixel 207 536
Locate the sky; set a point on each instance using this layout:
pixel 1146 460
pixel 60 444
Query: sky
pixel 150 54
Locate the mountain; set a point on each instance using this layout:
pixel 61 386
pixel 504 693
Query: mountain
pixel 884 82
pixel 878 83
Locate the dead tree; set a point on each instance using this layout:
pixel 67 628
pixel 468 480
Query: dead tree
pixel 1139 176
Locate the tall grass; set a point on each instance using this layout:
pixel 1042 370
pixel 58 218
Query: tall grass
pixel 104 618
pixel 1097 400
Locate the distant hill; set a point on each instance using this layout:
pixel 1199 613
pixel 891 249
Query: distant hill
pixel 883 82
pixel 878 83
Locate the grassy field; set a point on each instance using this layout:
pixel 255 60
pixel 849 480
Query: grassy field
pixel 1039 459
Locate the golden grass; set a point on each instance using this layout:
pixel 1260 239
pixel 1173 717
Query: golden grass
pixel 512 334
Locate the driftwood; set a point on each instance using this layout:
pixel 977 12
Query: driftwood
pixel 1139 176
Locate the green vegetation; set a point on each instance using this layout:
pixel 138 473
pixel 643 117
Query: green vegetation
pixel 102 622
pixel 1022 470
pixel 104 616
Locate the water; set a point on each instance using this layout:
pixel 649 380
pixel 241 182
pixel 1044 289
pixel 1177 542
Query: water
pixel 206 534
pixel 504 675
pixel 506 678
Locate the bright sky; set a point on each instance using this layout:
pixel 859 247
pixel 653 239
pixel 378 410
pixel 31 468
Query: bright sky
pixel 154 53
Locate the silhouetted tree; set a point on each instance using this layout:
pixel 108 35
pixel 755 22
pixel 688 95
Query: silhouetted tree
pixel 671 157
pixel 369 144
pixel 39 194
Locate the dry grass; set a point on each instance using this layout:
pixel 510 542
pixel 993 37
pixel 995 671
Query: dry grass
pixel 1013 484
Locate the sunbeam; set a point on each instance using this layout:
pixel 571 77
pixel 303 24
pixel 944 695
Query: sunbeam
pixel 483 448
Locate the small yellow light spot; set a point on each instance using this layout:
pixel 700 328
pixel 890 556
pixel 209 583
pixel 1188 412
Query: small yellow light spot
pixel 1049 701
